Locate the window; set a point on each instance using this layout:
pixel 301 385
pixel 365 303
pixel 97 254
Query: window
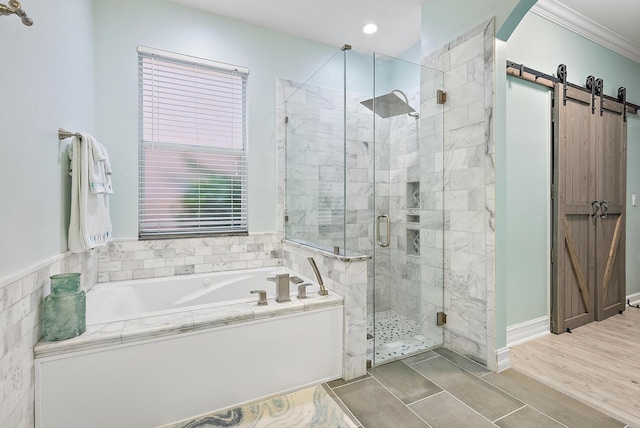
pixel 192 143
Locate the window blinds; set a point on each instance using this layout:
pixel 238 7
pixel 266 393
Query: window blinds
pixel 192 145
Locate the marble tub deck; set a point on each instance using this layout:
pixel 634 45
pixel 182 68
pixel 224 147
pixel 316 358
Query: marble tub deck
pixel 137 329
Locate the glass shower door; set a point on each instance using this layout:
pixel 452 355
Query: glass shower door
pixel 407 294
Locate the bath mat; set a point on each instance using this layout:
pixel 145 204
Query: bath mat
pixel 310 407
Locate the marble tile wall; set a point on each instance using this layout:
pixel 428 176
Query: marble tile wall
pixel 469 194
pixel 21 298
pixel 316 155
pixel 142 259
pixel 315 135
pixel 346 276
pixel 404 179
pixel 314 164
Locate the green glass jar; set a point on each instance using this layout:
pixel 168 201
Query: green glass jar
pixel 65 308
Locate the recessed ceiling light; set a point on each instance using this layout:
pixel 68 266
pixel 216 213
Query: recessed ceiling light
pixel 370 28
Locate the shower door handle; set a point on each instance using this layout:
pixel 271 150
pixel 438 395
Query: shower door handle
pixel 388 242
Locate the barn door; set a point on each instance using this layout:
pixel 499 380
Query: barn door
pixel 589 179
pixel 573 291
pixel 611 189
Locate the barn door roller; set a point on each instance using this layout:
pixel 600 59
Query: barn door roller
pixel 562 75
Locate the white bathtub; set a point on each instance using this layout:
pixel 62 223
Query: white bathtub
pixel 159 351
pixel 125 300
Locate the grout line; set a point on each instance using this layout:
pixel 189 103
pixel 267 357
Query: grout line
pixel 522 401
pixel 468 359
pixel 351 382
pixel 511 413
pixel 335 397
pixel 401 402
pixel 444 390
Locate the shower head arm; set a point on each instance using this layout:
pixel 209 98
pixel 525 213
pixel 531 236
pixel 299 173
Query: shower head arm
pixel 406 100
pixel 398 91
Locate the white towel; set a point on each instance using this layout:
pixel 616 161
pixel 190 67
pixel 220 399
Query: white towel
pixel 99 169
pixel 90 224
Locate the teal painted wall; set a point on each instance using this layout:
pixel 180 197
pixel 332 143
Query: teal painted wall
pixel 121 26
pixel 542 45
pixel 527 183
pixel 47 83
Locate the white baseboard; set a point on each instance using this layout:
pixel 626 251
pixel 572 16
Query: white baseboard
pixel 502 357
pixel 634 298
pixel 528 330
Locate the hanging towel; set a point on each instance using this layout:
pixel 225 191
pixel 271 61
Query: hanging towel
pixel 99 169
pixel 90 223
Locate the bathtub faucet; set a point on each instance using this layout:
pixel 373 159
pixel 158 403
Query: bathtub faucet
pixel 323 291
pixel 282 287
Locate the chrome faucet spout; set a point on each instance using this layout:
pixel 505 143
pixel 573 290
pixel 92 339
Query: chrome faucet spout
pixel 323 291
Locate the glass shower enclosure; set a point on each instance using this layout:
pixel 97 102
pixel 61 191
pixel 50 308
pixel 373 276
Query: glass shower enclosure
pixel 364 176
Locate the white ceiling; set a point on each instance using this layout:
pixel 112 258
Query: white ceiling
pixel 612 23
pixel 332 22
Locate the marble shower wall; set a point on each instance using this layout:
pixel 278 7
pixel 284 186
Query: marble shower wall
pixel 314 166
pixel 403 206
pixel 21 302
pixel 315 162
pixel 469 194
pixel 316 192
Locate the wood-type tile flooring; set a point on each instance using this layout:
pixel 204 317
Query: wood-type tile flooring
pixel 598 363
pixel 442 389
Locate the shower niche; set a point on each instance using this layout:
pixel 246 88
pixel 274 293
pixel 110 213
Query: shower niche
pixel 413 218
pixel 363 139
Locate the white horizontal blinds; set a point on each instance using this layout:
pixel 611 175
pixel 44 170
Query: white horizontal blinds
pixel 193 162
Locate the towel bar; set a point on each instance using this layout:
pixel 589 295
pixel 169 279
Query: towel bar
pixel 62 134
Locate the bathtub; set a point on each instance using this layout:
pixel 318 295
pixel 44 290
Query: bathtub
pixel 117 301
pixel 161 350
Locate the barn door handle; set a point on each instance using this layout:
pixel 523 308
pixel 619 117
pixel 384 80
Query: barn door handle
pixel 604 205
pixel 595 205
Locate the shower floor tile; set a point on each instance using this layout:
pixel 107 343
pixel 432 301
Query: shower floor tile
pixel 396 336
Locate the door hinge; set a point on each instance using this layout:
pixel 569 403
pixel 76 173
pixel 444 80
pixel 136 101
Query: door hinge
pixel 441 318
pixel 441 96
pixel 286 119
pixel 553 255
pixel 286 218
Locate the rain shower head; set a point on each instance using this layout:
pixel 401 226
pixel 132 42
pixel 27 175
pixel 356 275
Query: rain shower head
pixel 390 105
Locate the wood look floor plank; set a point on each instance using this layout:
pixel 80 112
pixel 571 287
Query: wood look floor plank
pixel 597 364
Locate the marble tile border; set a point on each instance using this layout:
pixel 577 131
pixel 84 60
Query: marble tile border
pixel 138 329
pixel 125 259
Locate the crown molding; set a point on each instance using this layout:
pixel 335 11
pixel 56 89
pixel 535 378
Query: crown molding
pixel 585 27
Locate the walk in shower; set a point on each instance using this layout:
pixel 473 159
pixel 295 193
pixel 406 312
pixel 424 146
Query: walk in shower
pixel 364 175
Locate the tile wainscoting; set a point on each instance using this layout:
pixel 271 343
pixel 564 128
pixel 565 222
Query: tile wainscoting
pixel 21 298
pixel 125 259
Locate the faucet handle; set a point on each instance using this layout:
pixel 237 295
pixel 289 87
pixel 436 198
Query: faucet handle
pixel 262 296
pixel 302 290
